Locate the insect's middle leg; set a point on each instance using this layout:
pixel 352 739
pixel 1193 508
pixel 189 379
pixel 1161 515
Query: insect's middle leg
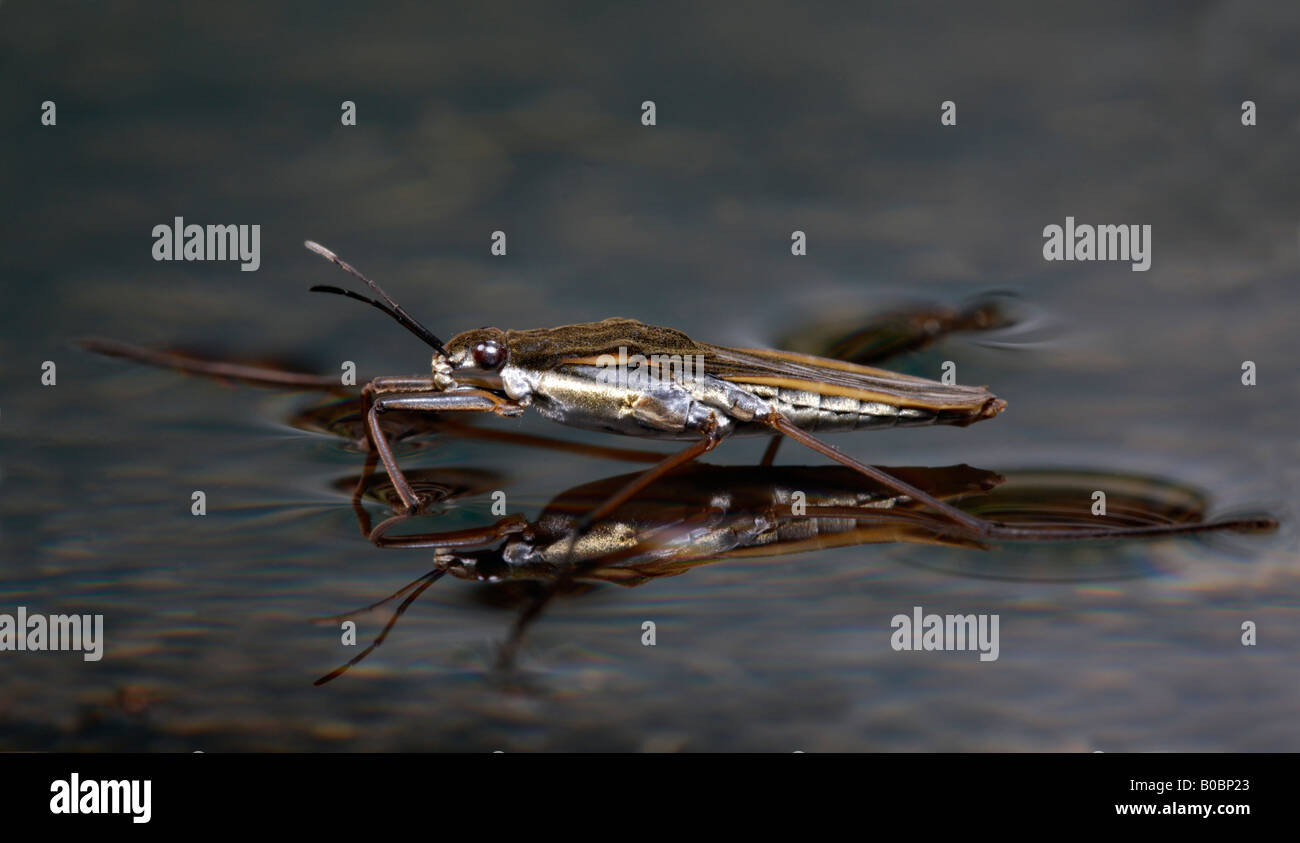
pixel 708 441
pixel 769 455
pixel 462 400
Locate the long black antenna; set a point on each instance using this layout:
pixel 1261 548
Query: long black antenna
pixel 339 291
pixel 393 309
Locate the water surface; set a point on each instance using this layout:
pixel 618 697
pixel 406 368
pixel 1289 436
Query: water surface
pixel 474 119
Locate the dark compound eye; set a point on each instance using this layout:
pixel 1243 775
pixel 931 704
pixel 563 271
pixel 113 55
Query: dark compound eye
pixel 489 354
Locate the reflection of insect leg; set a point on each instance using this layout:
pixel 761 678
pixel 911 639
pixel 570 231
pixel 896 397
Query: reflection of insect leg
pixel 419 585
pixel 472 537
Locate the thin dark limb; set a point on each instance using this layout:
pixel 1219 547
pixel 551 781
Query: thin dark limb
pixel 570 572
pixel 994 529
pixel 392 384
pixel 424 582
pixel 770 454
pixel 467 400
pixel 448 539
pixel 709 441
pixel 329 619
pixel 976 525
pixel 1000 530
pixel 256 375
pixel 509 649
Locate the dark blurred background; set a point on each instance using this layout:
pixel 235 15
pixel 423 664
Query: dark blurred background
pixel 770 118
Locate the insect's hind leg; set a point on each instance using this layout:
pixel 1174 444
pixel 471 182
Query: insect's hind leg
pixel 983 528
pixel 970 522
pixel 458 400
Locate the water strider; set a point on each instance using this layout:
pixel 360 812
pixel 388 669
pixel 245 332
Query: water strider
pixel 699 393
pixel 698 514
pixel 565 374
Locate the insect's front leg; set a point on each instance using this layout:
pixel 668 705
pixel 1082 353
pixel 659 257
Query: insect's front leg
pixel 390 385
pixel 385 396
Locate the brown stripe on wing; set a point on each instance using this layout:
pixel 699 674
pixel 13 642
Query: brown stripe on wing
pixel 837 377
pixel 820 362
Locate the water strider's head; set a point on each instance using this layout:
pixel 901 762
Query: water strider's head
pixel 476 565
pixel 483 349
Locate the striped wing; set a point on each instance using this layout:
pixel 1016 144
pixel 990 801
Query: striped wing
pixel 585 344
pixel 790 370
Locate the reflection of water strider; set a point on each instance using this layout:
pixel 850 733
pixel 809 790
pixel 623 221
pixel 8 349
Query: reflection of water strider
pixel 699 513
pixel 705 513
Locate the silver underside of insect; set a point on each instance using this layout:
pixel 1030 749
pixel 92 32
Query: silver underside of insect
pixel 595 398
